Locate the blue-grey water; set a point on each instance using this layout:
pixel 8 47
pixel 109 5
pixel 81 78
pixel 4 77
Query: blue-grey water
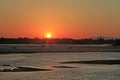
pixel 47 60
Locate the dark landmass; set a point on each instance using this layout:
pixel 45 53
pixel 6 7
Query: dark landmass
pixel 23 69
pixel 29 69
pixel 63 67
pixel 107 62
pixel 97 40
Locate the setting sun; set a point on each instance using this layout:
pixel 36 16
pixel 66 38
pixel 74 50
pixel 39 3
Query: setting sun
pixel 48 35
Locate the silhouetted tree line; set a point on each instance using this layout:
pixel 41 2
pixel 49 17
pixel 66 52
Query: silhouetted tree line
pixel 59 41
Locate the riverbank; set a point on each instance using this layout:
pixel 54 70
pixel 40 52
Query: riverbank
pixel 35 48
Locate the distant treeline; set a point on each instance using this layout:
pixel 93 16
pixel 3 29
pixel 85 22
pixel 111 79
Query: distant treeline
pixel 99 40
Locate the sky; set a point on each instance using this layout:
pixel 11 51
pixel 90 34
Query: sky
pixel 61 18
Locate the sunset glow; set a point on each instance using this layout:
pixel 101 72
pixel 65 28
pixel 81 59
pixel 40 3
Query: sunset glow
pixel 48 35
pixel 62 18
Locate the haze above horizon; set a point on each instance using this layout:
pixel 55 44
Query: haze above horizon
pixel 61 18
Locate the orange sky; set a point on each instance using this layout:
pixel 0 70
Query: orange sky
pixel 61 18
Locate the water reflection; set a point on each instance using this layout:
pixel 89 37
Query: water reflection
pixel 61 71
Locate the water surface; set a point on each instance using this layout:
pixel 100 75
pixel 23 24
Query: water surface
pixel 62 71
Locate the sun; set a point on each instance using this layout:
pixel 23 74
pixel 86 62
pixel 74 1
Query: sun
pixel 48 35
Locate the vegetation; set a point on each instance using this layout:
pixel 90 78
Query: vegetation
pixel 99 40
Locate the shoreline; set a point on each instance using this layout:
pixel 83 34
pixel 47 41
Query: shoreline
pixel 30 52
pixel 42 48
pixel 92 62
